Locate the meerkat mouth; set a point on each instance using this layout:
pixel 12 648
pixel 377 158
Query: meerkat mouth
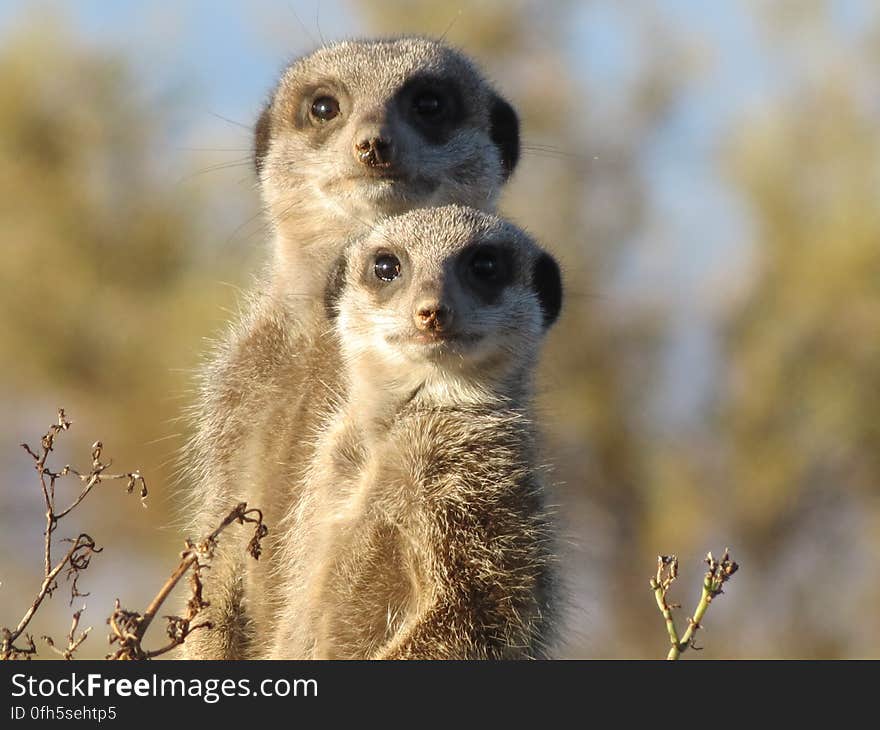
pixel 389 183
pixel 378 175
pixel 435 341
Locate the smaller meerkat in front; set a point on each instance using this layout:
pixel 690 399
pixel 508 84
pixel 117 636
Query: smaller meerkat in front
pixel 422 531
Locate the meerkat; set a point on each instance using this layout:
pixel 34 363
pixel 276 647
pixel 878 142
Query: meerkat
pixel 353 132
pixel 422 531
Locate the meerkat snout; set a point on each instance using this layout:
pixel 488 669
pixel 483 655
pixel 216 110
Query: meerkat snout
pixel 374 148
pixel 433 316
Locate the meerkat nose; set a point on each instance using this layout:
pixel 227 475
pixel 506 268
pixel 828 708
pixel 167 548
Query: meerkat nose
pixel 374 151
pixel 432 316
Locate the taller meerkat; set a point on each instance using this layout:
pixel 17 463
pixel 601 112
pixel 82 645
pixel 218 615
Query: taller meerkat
pixel 353 132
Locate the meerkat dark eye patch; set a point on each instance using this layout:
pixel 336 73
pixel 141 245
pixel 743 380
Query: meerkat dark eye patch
pixel 386 267
pixel 488 268
pixel 335 285
pixel 547 281
pixel 428 104
pixel 434 106
pixel 485 265
pixel 504 132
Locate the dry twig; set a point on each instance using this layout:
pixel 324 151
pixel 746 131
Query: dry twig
pixel 73 641
pixel 718 574
pixel 129 627
pixel 82 548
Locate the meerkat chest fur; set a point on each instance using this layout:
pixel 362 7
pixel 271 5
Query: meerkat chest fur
pixel 428 490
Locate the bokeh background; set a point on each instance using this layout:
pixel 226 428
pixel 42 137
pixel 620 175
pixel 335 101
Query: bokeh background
pixel 709 174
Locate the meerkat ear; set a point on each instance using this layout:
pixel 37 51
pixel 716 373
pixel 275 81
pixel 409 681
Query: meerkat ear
pixel 504 132
pixel 261 138
pixel 547 281
pixel 335 283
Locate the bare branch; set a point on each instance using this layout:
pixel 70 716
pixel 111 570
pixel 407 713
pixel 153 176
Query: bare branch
pixel 720 571
pixel 78 557
pixel 128 628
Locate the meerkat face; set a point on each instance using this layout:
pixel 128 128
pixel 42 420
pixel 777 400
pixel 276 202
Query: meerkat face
pixel 445 288
pixel 380 127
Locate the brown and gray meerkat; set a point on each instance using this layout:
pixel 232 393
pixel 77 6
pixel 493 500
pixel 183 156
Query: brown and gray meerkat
pixel 352 133
pixel 422 530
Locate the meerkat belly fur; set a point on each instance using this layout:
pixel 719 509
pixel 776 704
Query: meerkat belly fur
pixel 352 133
pixel 422 531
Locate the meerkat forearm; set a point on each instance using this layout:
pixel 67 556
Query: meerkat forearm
pixel 435 635
pixel 456 627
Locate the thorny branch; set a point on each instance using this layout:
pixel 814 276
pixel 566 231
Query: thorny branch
pixel 79 555
pixel 129 627
pixel 718 574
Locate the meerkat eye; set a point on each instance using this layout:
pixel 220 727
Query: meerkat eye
pixel 485 265
pixel 428 104
pixel 325 108
pixel 386 267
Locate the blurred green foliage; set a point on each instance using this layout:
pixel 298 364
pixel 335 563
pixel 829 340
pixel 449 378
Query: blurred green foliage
pixel 104 282
pixel 799 403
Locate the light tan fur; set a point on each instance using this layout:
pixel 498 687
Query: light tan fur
pixel 274 376
pixel 422 530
